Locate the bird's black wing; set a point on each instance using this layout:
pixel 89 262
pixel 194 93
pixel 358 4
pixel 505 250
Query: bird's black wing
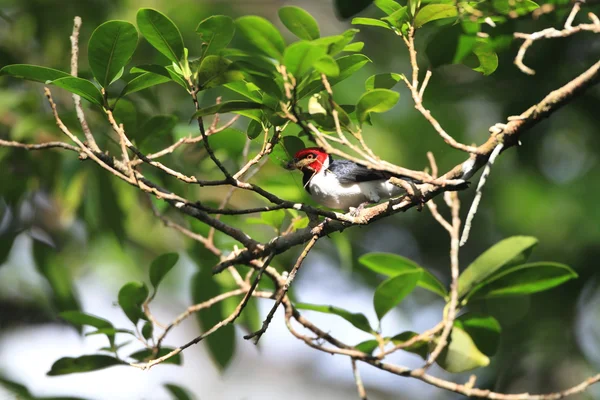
pixel 350 172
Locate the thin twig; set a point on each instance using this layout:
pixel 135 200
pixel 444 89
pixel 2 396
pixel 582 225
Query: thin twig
pixel 91 142
pixel 362 394
pixel 479 193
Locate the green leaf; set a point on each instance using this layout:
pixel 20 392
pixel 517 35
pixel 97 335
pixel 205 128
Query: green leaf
pixel 227 107
pixel 420 348
pixel 246 89
pixel 161 33
pixel 80 319
pixel 354 47
pixel 387 6
pixel 393 290
pixel 254 129
pixel 161 267
pixel 493 259
pixel 376 100
pixel 131 297
pixel 370 22
pixel 32 72
pixel 142 82
pixel 488 59
pixel 147 330
pixel 336 43
pixel 216 32
pixel 357 319
pixel 368 346
pixel 392 264
pixel 292 144
pixel 382 81
pixel 167 72
pixel 346 9
pixel 299 57
pixel 299 22
pixel 216 71
pixel 69 365
pixel 145 355
pixel 177 392
pixel 347 65
pixel 221 345
pixel 262 35
pixel 432 12
pixel 156 127
pixel 519 8
pixel 84 88
pixel 111 46
pixel 461 354
pixel 327 66
pixel 483 329
pixel 524 279
pixel 398 19
pixel 53 268
pixel 274 218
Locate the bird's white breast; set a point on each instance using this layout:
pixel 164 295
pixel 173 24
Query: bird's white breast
pixel 326 189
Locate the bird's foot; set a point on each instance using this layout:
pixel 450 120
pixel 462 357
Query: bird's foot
pixel 355 211
pixel 415 195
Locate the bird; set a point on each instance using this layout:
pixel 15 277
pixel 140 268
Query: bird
pixel 342 184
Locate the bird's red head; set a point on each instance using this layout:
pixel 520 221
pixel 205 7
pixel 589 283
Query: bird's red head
pixel 311 158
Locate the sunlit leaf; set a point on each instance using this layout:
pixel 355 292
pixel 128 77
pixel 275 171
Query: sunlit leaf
pixel 110 47
pixel 354 47
pixel 387 6
pixel 488 59
pixel 432 12
pixel 262 35
pixel 227 107
pixel 216 32
pixel 357 319
pixel 376 100
pixel 299 57
pixel 84 88
pixel 216 71
pixel 370 22
pixel 167 72
pixel 382 81
pixel 488 263
pixel 461 354
pixel 347 65
pixel 299 22
pixel 161 33
pixel 327 66
pixel 524 279
pixel 393 290
pixel 483 329
pixel 393 264
pixel 32 72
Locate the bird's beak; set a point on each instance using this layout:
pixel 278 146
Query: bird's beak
pixel 292 164
pixel 298 164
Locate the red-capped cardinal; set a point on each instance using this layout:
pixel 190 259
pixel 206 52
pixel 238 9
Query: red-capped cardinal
pixel 341 184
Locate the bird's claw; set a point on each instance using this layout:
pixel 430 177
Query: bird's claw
pixel 416 196
pixel 355 211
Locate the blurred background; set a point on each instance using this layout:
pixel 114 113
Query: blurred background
pixel 71 236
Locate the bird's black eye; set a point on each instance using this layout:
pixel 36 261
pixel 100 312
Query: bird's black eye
pixel 310 156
